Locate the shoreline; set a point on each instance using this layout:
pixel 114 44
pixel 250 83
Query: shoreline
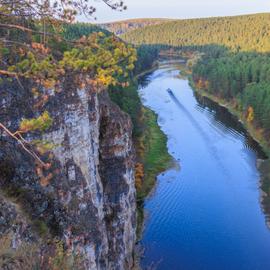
pixel 225 104
pixel 262 165
pixel 154 66
pixel 153 166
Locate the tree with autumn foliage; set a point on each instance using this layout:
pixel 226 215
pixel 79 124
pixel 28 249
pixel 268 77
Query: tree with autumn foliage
pixel 250 114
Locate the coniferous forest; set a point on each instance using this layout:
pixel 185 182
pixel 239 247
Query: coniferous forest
pixel 243 78
pixel 239 33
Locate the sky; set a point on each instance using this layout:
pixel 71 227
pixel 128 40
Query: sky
pixel 181 9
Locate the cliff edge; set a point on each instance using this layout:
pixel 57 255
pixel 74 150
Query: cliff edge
pixel 84 200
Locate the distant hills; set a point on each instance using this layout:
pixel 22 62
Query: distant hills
pixel 243 33
pixel 121 27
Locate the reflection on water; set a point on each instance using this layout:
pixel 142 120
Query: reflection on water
pixel 206 215
pixel 224 119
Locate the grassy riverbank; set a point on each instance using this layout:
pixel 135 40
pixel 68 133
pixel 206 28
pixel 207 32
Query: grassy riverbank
pixel 150 142
pixel 152 152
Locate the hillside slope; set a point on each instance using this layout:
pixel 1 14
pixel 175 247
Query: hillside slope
pixel 121 27
pixel 245 33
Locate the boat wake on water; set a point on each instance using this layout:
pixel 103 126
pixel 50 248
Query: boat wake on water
pixel 211 149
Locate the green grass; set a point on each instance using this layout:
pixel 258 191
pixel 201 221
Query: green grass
pixel 155 157
pixel 150 142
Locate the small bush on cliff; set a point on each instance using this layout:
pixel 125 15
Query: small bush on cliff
pixel 25 257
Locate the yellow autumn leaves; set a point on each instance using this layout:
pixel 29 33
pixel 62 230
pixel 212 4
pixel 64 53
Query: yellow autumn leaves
pixel 40 123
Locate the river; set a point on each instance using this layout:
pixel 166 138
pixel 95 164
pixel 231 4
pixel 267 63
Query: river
pixel 207 214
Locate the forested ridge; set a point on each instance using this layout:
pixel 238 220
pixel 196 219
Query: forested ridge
pixel 245 33
pixel 121 27
pixel 77 30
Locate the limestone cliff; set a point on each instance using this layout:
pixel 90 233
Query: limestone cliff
pixel 86 199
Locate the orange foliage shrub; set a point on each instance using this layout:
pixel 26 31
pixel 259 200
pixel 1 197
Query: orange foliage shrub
pixel 40 48
pixel 250 114
pixel 139 174
pixel 202 84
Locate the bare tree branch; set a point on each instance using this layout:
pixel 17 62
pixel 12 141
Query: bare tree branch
pixel 22 143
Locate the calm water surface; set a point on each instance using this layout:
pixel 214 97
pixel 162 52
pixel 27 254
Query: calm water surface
pixel 207 215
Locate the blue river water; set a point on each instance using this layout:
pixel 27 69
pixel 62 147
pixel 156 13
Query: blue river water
pixel 205 215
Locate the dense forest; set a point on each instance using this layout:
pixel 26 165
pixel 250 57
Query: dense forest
pixel 77 30
pixel 146 55
pixel 243 78
pixel 245 33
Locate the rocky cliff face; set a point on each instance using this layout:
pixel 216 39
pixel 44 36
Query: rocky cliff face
pixel 86 199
